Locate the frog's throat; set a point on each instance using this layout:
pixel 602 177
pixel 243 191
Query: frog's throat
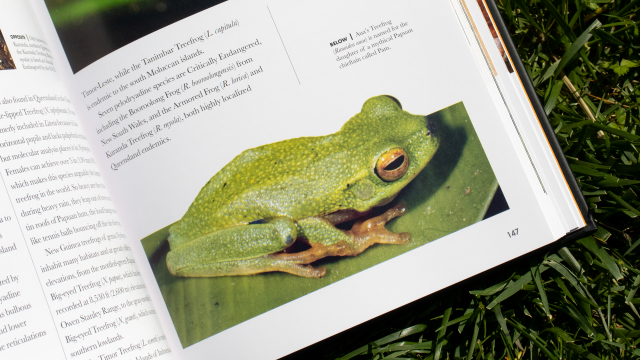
pixel 385 201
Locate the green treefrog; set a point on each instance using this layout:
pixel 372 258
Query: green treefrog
pixel 268 197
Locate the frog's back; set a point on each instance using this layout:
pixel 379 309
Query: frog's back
pixel 290 178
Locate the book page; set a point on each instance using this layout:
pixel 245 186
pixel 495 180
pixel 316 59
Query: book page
pixel 562 211
pixel 70 287
pixel 273 117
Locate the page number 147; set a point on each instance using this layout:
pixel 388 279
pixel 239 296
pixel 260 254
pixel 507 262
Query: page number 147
pixel 512 233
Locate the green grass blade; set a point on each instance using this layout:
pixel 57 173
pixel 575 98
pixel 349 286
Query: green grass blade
pixel 582 352
pixel 576 46
pixel 560 333
pixel 573 280
pixel 441 333
pixel 559 19
pixel 582 322
pixel 602 234
pixel 632 247
pixel 503 324
pixel 607 37
pixel 564 288
pixel 553 97
pixel 628 7
pixel 491 290
pixel 385 340
pixel 623 203
pixel 537 278
pixel 474 337
pixel 570 260
pixel 533 338
pixel 591 244
pixel 613 131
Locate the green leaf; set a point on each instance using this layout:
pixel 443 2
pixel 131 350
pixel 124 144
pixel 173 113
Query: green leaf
pixel 452 192
pixel 623 67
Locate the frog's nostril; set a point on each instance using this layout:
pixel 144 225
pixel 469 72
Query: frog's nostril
pixel 289 240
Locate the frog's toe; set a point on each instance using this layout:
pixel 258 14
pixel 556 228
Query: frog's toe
pixel 372 231
pixel 300 270
pixel 394 212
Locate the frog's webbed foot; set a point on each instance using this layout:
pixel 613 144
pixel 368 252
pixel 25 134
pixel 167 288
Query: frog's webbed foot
pixel 362 235
pixel 372 231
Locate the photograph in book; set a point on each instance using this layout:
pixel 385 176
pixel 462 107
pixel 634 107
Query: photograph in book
pixel 6 61
pixel 494 34
pixel 89 30
pixel 288 218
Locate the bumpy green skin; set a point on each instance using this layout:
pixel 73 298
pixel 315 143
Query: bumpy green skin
pixel 294 180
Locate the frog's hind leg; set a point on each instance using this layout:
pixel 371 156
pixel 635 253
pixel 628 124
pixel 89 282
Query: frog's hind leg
pixel 325 240
pixel 239 250
pixel 263 264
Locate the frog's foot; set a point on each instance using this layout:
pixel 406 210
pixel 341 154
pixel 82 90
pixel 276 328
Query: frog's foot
pixel 372 231
pixel 362 235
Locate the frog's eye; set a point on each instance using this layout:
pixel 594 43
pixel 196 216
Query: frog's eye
pixel 392 164
pixel 395 100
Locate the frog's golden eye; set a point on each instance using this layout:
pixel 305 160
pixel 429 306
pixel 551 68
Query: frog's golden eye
pixel 392 164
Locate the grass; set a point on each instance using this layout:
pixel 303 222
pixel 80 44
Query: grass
pixel 576 301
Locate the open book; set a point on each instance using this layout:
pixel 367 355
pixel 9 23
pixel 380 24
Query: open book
pixel 179 177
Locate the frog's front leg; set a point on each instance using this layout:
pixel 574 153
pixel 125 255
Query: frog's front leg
pixel 239 250
pixel 326 240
